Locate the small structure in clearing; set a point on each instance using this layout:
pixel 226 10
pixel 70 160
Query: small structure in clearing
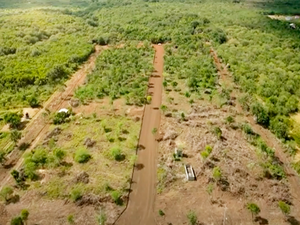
pixel 190 175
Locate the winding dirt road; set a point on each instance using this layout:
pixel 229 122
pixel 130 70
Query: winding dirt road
pixel 140 207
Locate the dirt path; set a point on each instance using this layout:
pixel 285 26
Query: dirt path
pixel 39 124
pixel 266 135
pixel 142 198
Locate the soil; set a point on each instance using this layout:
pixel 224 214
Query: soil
pixel 218 200
pixel 142 196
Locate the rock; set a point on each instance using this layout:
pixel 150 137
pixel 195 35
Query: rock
pixel 168 114
pixel 82 178
pixel 89 142
pixel 170 135
pixel 74 102
pixel 137 118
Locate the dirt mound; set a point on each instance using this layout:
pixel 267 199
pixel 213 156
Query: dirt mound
pixel 82 178
pixel 89 142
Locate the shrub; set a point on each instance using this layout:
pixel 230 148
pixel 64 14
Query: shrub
pixel 15 135
pixel 116 196
pixel 60 117
pixel 217 174
pixel 253 208
pixel 154 130
pixel 285 208
pixel 218 132
pixel 17 221
pixel 13 119
pixel 161 213
pixel 192 217
pixel 229 119
pixel 204 154
pixel 23 146
pixel 261 114
pixel 70 219
pixel 76 194
pixel 116 153
pixel 247 129
pixel 6 193
pixel 24 214
pixel 279 126
pixel 33 101
pixel 82 155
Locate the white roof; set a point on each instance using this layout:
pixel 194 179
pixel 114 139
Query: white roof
pixel 64 110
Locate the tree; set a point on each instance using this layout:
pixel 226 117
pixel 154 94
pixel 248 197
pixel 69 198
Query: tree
pixel 285 208
pixel 253 208
pixel 33 101
pixel 6 193
pixel 13 119
pixel 24 215
pixel 192 217
pixel 280 126
pixel 261 114
pixel 17 221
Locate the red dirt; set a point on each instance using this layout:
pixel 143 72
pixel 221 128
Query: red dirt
pixel 266 135
pixel 39 124
pixel 142 198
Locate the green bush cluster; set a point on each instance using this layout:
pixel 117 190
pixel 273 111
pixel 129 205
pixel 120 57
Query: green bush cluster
pixel 120 72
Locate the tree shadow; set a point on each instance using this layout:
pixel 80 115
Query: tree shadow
pixel 139 166
pixel 141 147
pixel 293 221
pixel 261 221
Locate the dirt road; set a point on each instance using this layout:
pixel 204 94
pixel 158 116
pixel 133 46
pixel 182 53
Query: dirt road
pixel 39 124
pixel 141 200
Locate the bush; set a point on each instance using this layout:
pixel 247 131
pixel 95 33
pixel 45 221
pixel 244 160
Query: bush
pixel 15 135
pixel 218 132
pixel 261 114
pixel 13 119
pixel 229 119
pixel 23 146
pixel 161 213
pixel 116 153
pixel 116 196
pixel 82 155
pixel 285 208
pixel 24 214
pixel 60 117
pixel 76 194
pixel 33 101
pixel 17 221
pixel 6 193
pixel 280 126
pixel 192 217
pixel 217 174
pixel 253 208
pixel 247 129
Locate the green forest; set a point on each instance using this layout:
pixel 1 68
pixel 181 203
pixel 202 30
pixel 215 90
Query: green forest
pixel 41 47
